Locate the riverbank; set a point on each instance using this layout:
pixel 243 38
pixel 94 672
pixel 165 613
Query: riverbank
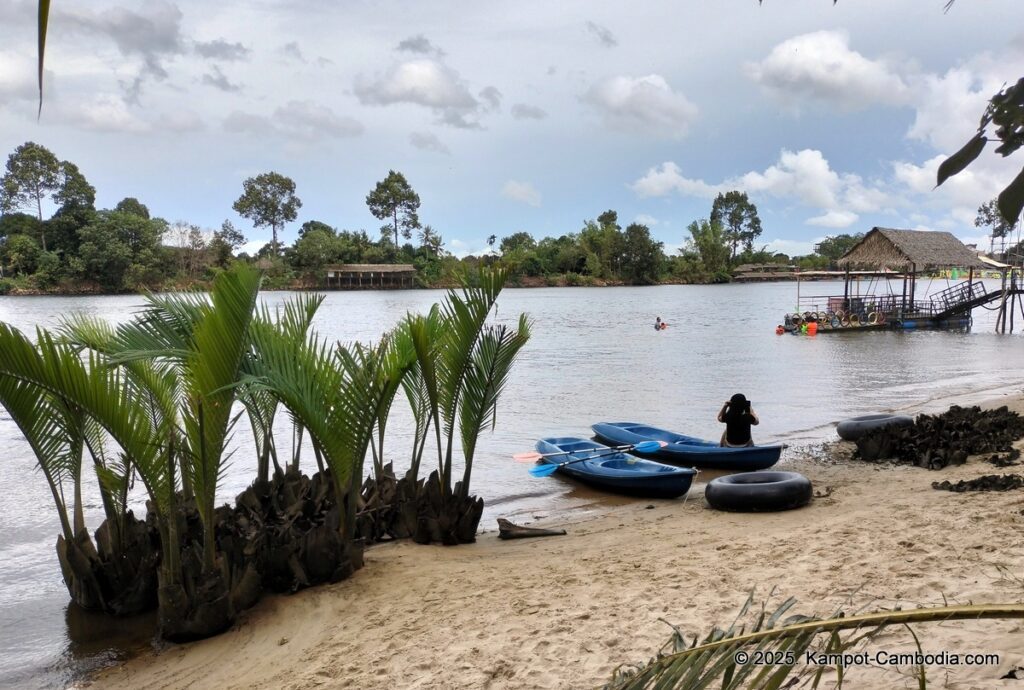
pixel 565 611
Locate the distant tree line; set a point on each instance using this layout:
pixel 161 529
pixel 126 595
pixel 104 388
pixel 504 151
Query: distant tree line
pixel 81 248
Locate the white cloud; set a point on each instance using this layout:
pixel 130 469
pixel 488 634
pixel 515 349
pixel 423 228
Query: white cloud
pixel 153 34
pixel 642 104
pixel 17 78
pixel 425 141
pixel 521 191
pixel 792 247
pixel 312 121
pixel 644 219
pixel 298 120
pixel 252 247
pixel 834 219
pixel 522 111
pixel 179 121
pixel 822 66
pixel 804 176
pixel 668 178
pixel 426 83
pixel 104 113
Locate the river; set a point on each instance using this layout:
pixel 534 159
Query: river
pixel 594 356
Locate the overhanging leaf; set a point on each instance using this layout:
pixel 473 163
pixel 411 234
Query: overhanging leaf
pixel 961 159
pixel 44 18
pixel 1011 199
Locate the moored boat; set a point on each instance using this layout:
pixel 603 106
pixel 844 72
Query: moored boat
pixel 608 469
pixel 687 450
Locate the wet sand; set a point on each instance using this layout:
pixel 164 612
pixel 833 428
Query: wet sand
pixel 563 612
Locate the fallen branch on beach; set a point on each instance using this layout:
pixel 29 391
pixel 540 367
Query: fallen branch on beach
pixel 765 656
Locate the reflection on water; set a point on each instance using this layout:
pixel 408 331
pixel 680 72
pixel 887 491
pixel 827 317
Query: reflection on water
pixel 594 356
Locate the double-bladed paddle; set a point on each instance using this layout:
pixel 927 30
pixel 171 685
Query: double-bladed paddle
pixel 547 470
pixel 644 447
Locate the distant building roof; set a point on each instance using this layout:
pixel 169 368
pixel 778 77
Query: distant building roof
pixel 992 262
pixel 906 249
pixel 370 268
pixel 747 268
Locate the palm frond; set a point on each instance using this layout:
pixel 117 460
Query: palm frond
pixel 43 422
pixel 211 378
pixel 44 19
pixel 485 380
pixel 715 658
pixel 98 390
pixel 463 317
pixel 421 383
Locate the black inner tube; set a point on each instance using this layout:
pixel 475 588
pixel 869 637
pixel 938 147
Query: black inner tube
pixel 759 491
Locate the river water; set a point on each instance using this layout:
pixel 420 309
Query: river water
pixel 594 356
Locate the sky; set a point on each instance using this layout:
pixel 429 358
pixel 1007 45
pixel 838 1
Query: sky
pixel 524 116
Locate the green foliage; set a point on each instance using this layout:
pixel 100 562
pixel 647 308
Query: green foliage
pixel 519 241
pixel 709 243
pixel 315 249
pixel 394 199
pixel 47 269
pixel 310 225
pixel 461 367
pixel 738 217
pixel 642 258
pixel 991 220
pixel 121 251
pixel 269 200
pixel 74 191
pixel 834 246
pixel 33 172
pixel 19 254
pixel 132 206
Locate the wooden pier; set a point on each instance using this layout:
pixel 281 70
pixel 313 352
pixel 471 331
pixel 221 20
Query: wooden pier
pixel 370 276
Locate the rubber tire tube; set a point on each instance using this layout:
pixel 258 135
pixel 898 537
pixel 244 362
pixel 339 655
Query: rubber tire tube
pixel 759 492
pixel 855 427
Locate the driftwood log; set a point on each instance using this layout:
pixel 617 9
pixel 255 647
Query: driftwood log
pixel 509 530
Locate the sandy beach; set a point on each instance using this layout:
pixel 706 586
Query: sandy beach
pixel 563 612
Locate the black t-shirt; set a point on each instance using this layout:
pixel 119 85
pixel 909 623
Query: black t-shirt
pixel 737 428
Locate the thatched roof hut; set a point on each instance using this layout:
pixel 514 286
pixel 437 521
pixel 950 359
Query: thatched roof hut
pixel 916 250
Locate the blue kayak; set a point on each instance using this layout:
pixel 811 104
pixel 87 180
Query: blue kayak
pixel 687 450
pixel 616 471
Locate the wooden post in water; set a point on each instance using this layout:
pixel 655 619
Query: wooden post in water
pixel 846 290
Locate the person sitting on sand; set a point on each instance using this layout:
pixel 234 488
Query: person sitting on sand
pixel 738 417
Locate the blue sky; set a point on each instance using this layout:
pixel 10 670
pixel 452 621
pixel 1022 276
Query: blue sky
pixel 525 116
